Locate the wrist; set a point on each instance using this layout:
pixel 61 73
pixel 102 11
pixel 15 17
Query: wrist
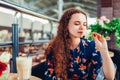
pixel 104 51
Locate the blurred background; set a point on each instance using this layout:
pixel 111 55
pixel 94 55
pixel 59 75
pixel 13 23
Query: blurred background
pixel 37 22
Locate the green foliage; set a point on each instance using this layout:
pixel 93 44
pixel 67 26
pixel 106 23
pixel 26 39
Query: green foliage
pixel 107 28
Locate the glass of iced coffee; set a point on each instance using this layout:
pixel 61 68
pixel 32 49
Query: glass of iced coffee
pixel 24 65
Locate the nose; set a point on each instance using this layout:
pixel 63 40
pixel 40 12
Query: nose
pixel 81 27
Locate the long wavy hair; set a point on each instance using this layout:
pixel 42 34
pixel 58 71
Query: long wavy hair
pixel 60 45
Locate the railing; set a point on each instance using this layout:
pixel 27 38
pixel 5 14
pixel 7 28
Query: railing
pixel 15 40
pixel 15 45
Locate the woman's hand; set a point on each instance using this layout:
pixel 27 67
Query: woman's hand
pixel 108 66
pixel 100 41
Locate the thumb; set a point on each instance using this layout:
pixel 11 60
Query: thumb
pixel 95 37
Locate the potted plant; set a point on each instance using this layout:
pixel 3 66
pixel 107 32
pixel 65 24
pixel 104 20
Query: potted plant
pixel 109 29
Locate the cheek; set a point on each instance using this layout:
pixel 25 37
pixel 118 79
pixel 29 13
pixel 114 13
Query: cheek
pixel 85 28
pixel 72 29
pixel 69 28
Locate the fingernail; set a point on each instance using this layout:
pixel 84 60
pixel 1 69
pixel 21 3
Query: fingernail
pixel 94 35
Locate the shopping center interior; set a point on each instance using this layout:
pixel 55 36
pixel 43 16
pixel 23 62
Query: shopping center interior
pixel 27 26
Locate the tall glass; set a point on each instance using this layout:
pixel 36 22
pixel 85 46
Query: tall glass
pixel 24 65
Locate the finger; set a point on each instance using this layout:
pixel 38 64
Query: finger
pixel 96 41
pixel 100 38
pixel 96 34
pixel 95 38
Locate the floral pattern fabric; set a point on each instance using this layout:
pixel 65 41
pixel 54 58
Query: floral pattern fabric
pixel 85 65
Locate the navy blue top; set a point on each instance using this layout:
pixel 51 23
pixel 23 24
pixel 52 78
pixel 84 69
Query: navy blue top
pixel 85 64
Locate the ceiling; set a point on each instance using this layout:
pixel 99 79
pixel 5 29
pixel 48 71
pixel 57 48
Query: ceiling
pixel 50 7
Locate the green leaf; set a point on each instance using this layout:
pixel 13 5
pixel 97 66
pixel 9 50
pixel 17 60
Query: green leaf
pixel 107 28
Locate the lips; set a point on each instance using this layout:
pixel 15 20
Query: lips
pixel 80 32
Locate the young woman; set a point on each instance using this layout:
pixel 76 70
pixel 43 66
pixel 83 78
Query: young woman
pixel 69 56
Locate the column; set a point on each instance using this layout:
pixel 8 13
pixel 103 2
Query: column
pixel 105 8
pixel 116 8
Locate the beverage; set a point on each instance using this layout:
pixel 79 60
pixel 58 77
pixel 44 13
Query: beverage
pixel 24 65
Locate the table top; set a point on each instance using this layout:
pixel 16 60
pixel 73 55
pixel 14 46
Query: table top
pixel 13 76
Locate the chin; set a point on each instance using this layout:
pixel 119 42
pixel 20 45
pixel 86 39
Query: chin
pixel 81 36
pixel 78 36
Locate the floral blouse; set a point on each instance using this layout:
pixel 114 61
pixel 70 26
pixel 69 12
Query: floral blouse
pixel 85 65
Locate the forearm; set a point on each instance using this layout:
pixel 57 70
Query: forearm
pixel 108 66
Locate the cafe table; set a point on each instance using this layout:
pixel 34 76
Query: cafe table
pixel 13 76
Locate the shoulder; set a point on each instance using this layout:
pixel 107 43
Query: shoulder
pixel 89 45
pixel 91 49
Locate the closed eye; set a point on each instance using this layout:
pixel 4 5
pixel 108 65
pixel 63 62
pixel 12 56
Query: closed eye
pixel 77 23
pixel 80 23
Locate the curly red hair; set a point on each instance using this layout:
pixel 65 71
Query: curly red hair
pixel 60 45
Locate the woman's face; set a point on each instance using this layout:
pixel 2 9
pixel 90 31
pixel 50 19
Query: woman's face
pixel 77 24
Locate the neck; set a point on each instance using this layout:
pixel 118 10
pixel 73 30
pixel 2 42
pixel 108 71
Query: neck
pixel 75 43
